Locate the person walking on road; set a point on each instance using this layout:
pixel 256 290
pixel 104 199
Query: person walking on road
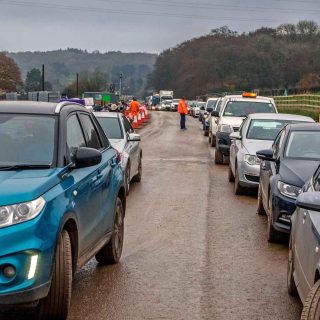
pixel 183 111
pixel 134 108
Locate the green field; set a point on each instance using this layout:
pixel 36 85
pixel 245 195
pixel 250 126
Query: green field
pixel 306 105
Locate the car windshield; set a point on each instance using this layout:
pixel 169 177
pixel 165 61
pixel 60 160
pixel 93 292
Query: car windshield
pixel 200 104
pixel 244 108
pixel 111 127
pixel 27 140
pixel 266 129
pixel 303 145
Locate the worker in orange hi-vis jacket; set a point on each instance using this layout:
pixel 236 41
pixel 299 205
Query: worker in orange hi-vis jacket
pixel 134 107
pixel 183 111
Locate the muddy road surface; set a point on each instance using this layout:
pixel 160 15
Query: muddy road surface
pixel 193 250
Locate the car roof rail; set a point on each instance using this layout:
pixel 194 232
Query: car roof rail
pixel 62 104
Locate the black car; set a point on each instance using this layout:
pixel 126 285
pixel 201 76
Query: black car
pixel 285 168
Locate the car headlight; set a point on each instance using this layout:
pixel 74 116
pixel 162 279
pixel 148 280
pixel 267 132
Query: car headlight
pixel 225 128
pixel 252 160
pixel 17 213
pixel 289 190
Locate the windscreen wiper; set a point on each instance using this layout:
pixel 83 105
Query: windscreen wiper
pixel 24 166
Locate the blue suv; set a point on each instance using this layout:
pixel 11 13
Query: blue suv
pixel 62 202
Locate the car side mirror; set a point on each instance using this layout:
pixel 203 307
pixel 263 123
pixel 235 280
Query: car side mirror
pixel 266 155
pixel 309 201
pixel 134 137
pixel 87 157
pixel 215 114
pixel 235 136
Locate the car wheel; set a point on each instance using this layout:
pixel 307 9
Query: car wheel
pixel 311 308
pixel 127 178
pixel 260 209
pixel 273 235
pixel 218 157
pixel 230 175
pixel 213 141
pixel 138 177
pixel 111 252
pixel 238 190
pixel 291 285
pixel 57 303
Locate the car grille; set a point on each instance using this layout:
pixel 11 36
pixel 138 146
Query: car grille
pixel 252 178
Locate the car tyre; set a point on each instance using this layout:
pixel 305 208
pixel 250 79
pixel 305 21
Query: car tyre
pixel 218 157
pixel 273 236
pixel 238 190
pixel 291 285
pixel 230 174
pixel 111 252
pixel 127 178
pixel 57 303
pixel 260 209
pixel 138 176
pixel 311 308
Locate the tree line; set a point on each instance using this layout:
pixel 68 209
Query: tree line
pixel 285 57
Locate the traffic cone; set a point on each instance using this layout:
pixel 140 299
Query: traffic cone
pixel 135 122
pixel 139 119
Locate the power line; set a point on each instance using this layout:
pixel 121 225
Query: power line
pixel 211 6
pixel 127 12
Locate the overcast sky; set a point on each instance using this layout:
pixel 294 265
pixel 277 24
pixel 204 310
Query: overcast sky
pixel 136 25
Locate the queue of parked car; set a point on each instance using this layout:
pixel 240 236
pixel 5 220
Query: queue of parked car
pixel 279 155
pixel 65 173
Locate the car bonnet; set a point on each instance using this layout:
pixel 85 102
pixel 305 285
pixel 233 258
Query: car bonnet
pixel 26 185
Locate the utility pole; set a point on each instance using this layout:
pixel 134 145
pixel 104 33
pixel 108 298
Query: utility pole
pixel 42 77
pixel 120 85
pixel 77 85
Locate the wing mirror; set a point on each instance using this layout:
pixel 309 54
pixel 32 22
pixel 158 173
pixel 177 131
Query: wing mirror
pixel 309 201
pixel 235 136
pixel 87 157
pixel 215 114
pixel 266 155
pixel 134 137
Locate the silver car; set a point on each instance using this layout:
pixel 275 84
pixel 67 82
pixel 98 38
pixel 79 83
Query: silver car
pixel 123 138
pixel 257 132
pixel 303 272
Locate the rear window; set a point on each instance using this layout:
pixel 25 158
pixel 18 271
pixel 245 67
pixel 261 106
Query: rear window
pixel 244 108
pixel 111 127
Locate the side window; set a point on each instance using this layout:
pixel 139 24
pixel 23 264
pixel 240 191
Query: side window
pixel 278 144
pixel 218 108
pixel 127 126
pixel 316 183
pixel 90 131
pixel 75 138
pixel 242 126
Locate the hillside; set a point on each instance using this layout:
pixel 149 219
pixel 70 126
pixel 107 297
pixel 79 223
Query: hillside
pixel 283 58
pixel 62 66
